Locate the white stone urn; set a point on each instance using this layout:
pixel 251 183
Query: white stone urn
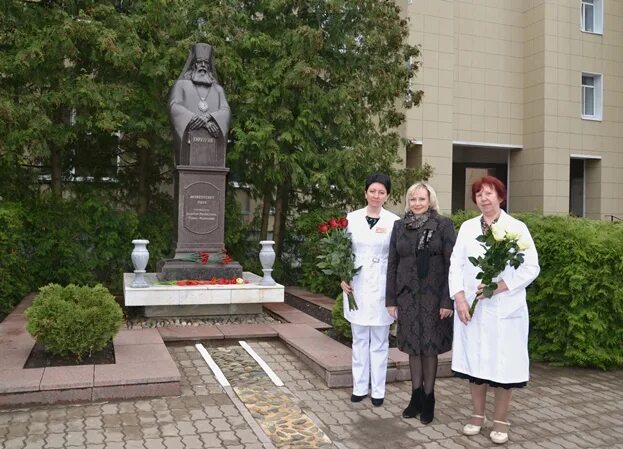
pixel 267 259
pixel 140 257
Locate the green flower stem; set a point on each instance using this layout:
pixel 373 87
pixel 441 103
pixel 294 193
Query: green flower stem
pixel 472 309
pixel 352 304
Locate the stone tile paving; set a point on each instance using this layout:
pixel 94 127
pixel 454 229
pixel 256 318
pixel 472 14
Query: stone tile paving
pixel 561 408
pixel 273 407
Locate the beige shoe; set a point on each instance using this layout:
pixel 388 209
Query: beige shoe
pixel 473 429
pixel 499 437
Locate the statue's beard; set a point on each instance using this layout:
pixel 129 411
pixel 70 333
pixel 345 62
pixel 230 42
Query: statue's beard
pixel 201 77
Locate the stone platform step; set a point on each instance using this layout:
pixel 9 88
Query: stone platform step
pixel 331 360
pixel 143 368
pixel 290 314
pixel 314 304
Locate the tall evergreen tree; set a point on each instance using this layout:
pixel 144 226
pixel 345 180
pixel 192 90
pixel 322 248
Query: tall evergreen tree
pixel 316 88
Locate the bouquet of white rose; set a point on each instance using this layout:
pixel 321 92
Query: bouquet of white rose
pixel 502 248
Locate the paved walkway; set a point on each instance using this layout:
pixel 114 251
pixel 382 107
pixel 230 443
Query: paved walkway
pixel 561 408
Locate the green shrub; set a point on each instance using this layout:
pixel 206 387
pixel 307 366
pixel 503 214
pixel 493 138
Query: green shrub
pixel 80 241
pixel 462 215
pixel 15 279
pixel 74 320
pixel 339 323
pixel 306 226
pixel 576 303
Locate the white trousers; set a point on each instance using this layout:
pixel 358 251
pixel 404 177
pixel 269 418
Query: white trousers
pixel 370 351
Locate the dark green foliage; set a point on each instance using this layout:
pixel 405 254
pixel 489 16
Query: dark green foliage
pixel 15 276
pixel 241 242
pixel 82 241
pixel 306 227
pixel 463 215
pixel 74 320
pixel 339 323
pixel 576 303
pixel 157 227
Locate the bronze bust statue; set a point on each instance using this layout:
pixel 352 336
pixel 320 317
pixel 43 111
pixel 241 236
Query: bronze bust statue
pixel 199 112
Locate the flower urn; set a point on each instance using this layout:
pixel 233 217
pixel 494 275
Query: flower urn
pixel 267 259
pixel 140 257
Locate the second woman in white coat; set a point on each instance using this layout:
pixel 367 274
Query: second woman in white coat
pixel 370 229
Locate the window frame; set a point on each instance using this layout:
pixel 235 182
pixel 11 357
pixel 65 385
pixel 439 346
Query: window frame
pixel 598 16
pixel 597 96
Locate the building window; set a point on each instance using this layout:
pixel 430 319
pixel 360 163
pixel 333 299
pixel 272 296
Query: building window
pixel 592 16
pixel 591 96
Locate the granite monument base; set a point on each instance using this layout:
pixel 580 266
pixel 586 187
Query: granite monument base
pixel 177 270
pixel 202 310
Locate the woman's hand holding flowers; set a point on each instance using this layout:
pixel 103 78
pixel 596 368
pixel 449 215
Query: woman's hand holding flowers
pixel 346 287
pixel 502 287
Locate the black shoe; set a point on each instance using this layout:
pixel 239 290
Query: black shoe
pixel 355 398
pixel 415 405
pixel 428 408
pixel 377 402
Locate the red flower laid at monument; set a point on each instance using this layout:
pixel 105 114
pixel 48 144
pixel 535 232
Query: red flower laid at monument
pixel 213 281
pixel 204 257
pixel 336 256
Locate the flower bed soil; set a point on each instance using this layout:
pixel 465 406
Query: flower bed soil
pixel 40 358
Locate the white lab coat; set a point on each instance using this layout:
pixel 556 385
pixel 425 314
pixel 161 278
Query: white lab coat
pixel 371 247
pixel 494 344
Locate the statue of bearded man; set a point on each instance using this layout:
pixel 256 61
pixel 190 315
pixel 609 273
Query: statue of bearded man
pixel 197 102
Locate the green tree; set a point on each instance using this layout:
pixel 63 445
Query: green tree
pixel 315 89
pixel 85 84
pixel 55 96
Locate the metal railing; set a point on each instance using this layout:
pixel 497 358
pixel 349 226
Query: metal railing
pixel 614 218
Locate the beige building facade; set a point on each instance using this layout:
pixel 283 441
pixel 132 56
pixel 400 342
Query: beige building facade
pixel 530 91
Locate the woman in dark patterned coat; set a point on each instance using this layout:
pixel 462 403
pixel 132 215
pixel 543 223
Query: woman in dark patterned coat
pixel 417 292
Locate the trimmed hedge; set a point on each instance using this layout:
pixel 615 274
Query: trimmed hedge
pixel 74 320
pixel 576 303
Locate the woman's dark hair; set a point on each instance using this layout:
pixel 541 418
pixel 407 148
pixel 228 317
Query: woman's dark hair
pixel 492 182
pixel 381 178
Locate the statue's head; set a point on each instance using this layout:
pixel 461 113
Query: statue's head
pixel 199 67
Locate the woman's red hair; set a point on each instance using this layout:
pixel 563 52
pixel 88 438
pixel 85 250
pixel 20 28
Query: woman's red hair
pixel 491 181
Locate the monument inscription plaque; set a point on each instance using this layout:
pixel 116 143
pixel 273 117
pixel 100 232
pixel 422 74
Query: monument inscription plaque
pixel 202 203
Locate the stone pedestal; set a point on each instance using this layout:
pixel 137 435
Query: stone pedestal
pixel 172 270
pixel 200 181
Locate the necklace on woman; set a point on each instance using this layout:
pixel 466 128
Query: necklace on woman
pixel 484 226
pixel 203 104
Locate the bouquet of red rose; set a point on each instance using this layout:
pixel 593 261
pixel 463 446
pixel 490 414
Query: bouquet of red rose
pixel 336 256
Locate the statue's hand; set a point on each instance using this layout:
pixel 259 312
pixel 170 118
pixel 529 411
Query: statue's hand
pixel 213 129
pixel 197 122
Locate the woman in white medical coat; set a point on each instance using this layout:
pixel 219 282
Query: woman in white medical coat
pixel 370 229
pixel 490 348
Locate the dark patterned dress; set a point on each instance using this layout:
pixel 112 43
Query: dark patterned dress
pixel 417 282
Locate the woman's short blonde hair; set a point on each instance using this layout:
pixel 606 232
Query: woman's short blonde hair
pixel 432 195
